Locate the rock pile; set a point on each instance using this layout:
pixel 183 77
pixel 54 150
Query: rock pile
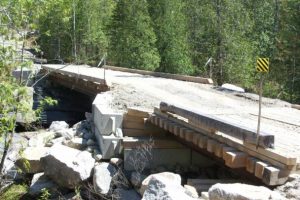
pixel 63 158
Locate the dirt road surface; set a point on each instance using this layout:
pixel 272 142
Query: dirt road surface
pixel 128 89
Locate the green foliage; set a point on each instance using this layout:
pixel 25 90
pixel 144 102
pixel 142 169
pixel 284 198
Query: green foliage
pixel 178 37
pixel 14 192
pixel 169 23
pixel 45 194
pixel 132 36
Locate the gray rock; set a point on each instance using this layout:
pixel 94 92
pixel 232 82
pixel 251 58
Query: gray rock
pixel 291 189
pixel 87 135
pixel 168 176
pixel 76 143
pixel 165 187
pixel 40 181
pixel 58 125
pixel 30 160
pixel 136 179
pixel 58 140
pixel 66 133
pixel 91 142
pixel 116 161
pixel 238 191
pixel 91 149
pixel 191 191
pixel 88 116
pixel 231 87
pixel 98 157
pixel 67 166
pixel 77 126
pixel 102 179
pixel 40 139
pixel 122 194
pixel 13 154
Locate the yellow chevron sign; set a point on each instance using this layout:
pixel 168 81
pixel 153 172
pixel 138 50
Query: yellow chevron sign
pixel 262 64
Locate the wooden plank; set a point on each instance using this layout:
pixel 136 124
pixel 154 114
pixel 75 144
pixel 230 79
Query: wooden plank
pixel 232 129
pixel 196 138
pixel 177 130
pixel 163 75
pixel 171 127
pixel 235 159
pixel 273 176
pixel 296 106
pixel 182 132
pixel 259 169
pixel 268 152
pixel 202 143
pixel 168 143
pixel 250 166
pixel 161 122
pixel 211 144
pixel 73 74
pixel 134 119
pixel 219 149
pixel 166 125
pixel 188 135
pixel 133 125
pixel 227 149
pixel 218 136
pixel 137 112
pixel 142 132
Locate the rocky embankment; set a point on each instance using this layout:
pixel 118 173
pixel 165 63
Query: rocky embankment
pixel 67 163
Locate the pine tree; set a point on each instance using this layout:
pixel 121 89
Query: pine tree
pixel 132 37
pixel 170 27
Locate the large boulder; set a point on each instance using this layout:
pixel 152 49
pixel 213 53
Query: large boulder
pixel 39 182
pixel 67 133
pixel 238 191
pixel 76 143
pixel 29 162
pixel 169 176
pixel 58 126
pixel 103 176
pixel 41 138
pixel 165 187
pixel 291 189
pixel 61 129
pixel 67 166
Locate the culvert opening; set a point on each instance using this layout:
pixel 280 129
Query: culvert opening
pixel 71 105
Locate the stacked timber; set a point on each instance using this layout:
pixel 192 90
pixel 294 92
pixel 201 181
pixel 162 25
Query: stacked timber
pixel 234 149
pixel 139 135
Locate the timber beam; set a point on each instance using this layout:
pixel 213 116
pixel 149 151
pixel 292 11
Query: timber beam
pixel 212 123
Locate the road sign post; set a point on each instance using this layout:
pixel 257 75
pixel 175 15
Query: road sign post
pixel 262 66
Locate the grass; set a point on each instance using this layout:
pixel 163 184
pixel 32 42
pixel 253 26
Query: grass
pixel 14 192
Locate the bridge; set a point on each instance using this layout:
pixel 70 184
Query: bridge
pixel 217 123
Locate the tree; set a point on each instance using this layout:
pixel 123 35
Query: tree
pixel 132 40
pixel 14 95
pixel 169 21
pixel 285 70
pixel 92 28
pixel 220 30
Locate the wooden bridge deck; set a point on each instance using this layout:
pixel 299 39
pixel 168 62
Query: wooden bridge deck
pixel 278 118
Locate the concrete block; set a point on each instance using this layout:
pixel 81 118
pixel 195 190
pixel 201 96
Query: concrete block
pixel 106 120
pixel 109 144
